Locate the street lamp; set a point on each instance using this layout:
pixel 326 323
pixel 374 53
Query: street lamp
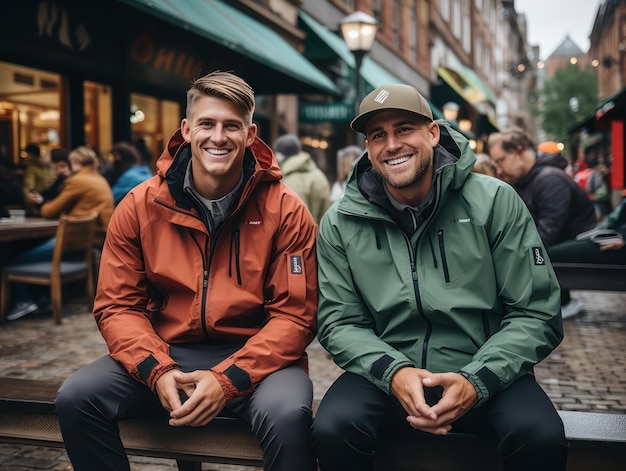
pixel 451 111
pixel 359 31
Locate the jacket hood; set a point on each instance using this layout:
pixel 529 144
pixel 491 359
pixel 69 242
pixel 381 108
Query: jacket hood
pixel 542 161
pixel 551 160
pixel 300 162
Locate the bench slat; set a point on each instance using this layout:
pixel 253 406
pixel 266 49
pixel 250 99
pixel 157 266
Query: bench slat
pixel 592 277
pixel 597 440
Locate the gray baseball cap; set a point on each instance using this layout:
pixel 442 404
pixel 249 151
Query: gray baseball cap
pixel 391 97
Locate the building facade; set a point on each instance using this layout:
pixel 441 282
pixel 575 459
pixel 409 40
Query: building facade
pixel 74 72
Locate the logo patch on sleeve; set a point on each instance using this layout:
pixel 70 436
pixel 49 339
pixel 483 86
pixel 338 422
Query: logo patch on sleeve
pixel 295 262
pixel 538 256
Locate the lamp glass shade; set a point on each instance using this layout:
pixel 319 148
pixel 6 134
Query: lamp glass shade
pixel 359 31
pixel 451 111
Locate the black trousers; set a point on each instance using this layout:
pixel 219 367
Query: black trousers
pixel 90 402
pixel 521 419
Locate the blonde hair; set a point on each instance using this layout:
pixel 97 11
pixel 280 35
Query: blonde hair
pixel 484 165
pixel 222 85
pixel 84 156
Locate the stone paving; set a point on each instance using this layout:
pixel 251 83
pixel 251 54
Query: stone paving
pixel 587 372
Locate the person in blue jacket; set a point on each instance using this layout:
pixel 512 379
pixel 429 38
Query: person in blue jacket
pixel 435 296
pixel 126 170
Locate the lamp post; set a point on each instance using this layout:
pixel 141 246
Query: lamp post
pixel 359 31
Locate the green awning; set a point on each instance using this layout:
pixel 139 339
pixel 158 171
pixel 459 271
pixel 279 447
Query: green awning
pixel 373 74
pixel 231 28
pixel 333 44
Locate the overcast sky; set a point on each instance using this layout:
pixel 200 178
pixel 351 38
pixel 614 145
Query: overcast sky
pixel 549 21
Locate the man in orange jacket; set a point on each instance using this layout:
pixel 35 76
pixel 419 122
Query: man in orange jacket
pixel 207 294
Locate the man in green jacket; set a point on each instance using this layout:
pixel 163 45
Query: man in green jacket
pixel 436 297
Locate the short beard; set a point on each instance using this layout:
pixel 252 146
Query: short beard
pixel 415 178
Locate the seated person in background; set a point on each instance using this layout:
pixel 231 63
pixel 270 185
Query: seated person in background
pixel 59 159
pixel 587 251
pixel 84 192
pixel 38 176
pixel 126 170
pixel 560 208
pixel 345 158
pixel 434 297
pixel 206 296
pixel 484 165
pixel 597 186
pixel 302 175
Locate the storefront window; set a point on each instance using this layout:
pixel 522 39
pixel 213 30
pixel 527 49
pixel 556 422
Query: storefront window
pixel 153 121
pixel 30 111
pixel 98 112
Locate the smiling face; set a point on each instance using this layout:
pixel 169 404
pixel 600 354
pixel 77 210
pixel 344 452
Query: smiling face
pixel 400 147
pixel 219 133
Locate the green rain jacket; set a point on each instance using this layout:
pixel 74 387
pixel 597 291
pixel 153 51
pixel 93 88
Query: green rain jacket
pixel 470 290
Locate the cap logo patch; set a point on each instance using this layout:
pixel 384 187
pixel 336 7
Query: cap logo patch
pixel 382 96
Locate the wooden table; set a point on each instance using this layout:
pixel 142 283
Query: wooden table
pixel 30 228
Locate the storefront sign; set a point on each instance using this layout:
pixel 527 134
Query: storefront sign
pixel 318 112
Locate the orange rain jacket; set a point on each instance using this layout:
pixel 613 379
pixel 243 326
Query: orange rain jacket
pixel 165 280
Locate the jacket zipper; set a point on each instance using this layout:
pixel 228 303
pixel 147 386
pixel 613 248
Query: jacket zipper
pixel 429 325
pixel 237 262
pixel 442 250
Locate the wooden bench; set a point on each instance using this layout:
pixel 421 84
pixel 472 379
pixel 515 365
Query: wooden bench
pixel 592 277
pixel 597 440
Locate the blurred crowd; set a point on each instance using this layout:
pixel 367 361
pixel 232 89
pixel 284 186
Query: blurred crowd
pixel 566 199
pixel 73 182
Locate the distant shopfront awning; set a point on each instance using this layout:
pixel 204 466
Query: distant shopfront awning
pixel 612 108
pixel 241 34
pixel 467 84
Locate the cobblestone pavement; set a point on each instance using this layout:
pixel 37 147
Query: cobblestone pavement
pixel 587 372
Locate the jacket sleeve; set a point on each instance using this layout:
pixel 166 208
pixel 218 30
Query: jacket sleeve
pixel 121 307
pixel 64 202
pixel 290 306
pixel 531 326
pixel 346 329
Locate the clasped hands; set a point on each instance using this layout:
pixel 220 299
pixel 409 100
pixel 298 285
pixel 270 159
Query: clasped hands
pixel 206 397
pixel 458 397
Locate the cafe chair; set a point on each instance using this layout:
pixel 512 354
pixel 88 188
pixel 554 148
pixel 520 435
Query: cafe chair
pixel 72 260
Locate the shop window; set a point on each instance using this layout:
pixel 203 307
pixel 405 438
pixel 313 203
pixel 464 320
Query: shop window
pixel 98 117
pixel 30 111
pixel 153 121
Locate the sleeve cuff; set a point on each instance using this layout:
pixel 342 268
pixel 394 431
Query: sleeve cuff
pixel 482 392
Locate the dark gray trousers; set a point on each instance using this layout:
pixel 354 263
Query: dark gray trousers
pixel 91 401
pixel 521 420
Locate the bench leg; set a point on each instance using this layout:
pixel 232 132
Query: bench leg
pixel 188 465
